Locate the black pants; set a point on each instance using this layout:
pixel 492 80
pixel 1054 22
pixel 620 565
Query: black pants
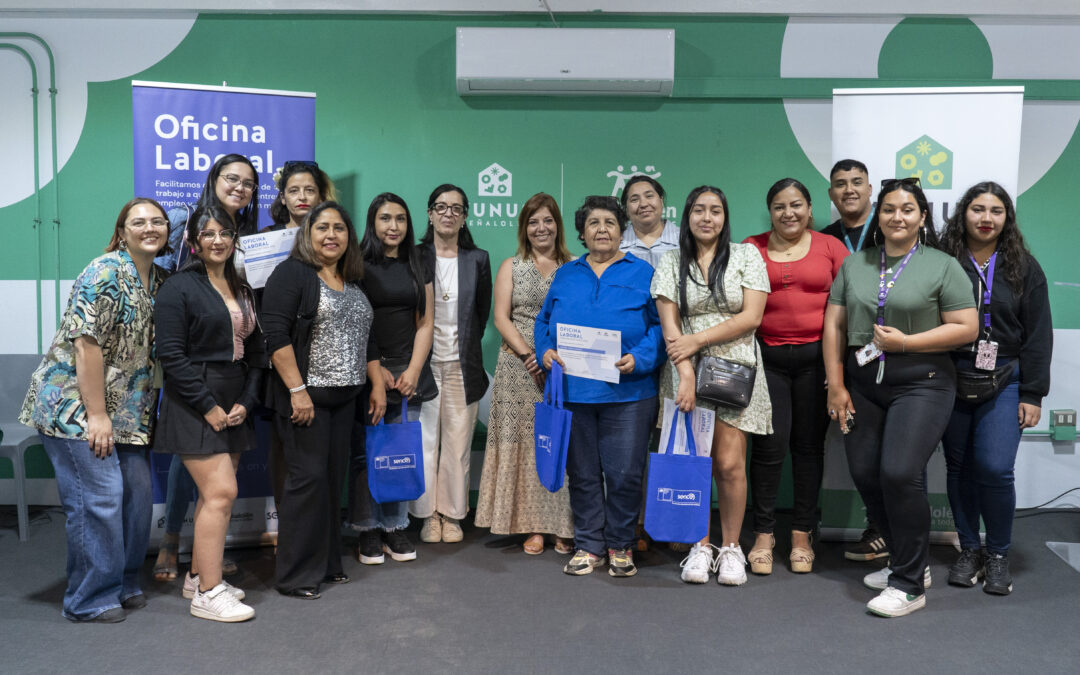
pixel 898 423
pixel 309 515
pixel 796 378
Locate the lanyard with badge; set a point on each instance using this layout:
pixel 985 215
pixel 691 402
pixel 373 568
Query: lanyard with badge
pixel 986 356
pixel 870 351
pixel 862 236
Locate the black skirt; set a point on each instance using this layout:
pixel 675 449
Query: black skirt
pixel 184 431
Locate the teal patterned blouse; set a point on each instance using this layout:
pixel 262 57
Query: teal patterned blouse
pixel 110 305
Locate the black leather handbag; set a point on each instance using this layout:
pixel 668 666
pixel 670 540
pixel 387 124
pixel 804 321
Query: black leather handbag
pixel 725 382
pixel 979 386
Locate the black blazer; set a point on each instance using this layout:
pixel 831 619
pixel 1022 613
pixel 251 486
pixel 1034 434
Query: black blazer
pixel 474 308
pixel 192 326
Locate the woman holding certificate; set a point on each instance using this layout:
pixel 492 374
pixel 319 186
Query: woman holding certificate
pixel 601 302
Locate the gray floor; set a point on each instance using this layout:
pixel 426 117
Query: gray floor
pixel 484 607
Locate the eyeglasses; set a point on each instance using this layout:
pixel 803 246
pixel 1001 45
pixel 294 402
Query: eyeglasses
pixel 297 163
pixel 143 223
pixel 233 180
pixel 441 207
pixel 208 236
pixel 910 180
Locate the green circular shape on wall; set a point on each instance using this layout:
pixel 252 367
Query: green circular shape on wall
pixel 935 49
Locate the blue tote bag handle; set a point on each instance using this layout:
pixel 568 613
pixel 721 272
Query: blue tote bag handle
pixel 691 445
pixel 553 391
pixel 551 432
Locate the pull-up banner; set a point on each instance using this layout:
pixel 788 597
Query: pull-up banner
pixel 180 130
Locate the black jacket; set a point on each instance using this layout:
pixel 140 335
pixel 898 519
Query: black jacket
pixel 474 308
pixel 192 326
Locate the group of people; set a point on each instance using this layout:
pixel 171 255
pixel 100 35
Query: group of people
pixel 350 331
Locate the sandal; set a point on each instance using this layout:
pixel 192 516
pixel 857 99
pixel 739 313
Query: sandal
pixel 802 559
pixel 165 567
pixel 761 559
pixel 534 545
pixel 564 546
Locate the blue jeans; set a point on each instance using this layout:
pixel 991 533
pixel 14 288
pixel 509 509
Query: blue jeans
pixel 108 507
pixel 980 454
pixel 180 491
pixel 606 465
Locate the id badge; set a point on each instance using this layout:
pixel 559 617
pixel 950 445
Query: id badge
pixel 986 357
pixel 868 353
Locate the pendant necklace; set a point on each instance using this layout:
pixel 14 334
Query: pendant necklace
pixel 444 283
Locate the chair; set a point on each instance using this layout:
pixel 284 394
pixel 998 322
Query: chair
pixel 15 440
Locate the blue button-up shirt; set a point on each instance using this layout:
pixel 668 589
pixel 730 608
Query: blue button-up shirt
pixel 617 300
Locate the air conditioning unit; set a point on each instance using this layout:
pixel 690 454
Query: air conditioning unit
pixel 565 61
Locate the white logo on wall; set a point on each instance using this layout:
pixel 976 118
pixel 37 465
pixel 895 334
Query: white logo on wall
pixel 493 185
pixel 621 177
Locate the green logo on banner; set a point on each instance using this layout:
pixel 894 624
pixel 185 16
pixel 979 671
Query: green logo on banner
pixel 927 160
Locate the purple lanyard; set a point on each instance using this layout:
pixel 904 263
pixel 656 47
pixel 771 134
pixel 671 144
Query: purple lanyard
pixel 884 288
pixel 988 283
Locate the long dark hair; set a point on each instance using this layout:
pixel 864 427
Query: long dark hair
pixel 465 240
pixel 247 219
pixel 196 223
pixel 373 249
pixel 911 187
pixel 351 264
pixel 1011 248
pixel 688 251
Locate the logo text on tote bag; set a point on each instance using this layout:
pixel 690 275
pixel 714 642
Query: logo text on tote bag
pixel 679 497
pixel 391 462
pixel 544 441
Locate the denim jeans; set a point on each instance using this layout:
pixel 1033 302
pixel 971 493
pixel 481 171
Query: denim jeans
pixel 108 507
pixel 364 512
pixel 980 454
pixel 179 493
pixel 606 465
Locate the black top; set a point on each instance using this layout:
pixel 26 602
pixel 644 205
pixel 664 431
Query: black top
pixel 290 302
pixel 1020 324
pixel 192 325
pixel 390 288
pixel 837 230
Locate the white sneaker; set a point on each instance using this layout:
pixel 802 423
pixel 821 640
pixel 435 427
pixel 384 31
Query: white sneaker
pixel 219 604
pixel 893 602
pixel 730 566
pixel 697 564
pixel 879 580
pixel 451 530
pixel 191 584
pixel 431 532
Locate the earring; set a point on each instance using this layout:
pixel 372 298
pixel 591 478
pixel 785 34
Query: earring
pixel 875 237
pixel 922 236
pixel 123 245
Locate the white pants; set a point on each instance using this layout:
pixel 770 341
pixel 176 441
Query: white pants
pixel 447 423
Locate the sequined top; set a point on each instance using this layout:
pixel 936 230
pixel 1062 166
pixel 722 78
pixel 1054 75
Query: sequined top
pixel 339 338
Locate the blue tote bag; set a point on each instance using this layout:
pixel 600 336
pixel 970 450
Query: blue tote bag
pixel 551 432
pixel 679 492
pixel 395 459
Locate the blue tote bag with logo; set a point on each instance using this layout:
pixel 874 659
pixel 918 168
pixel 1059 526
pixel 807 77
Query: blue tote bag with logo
pixel 395 459
pixel 679 492
pixel 551 432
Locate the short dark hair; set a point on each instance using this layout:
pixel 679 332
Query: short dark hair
pixel 598 202
pixel 848 165
pixel 278 211
pixel 350 265
pixel 641 178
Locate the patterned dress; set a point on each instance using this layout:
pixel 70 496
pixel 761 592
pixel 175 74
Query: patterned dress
pixel 511 500
pixel 745 269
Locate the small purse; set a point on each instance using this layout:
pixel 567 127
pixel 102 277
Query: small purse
pixel 979 386
pixel 725 383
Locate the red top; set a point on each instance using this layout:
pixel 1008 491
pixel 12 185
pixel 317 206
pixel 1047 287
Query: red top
pixel 795 311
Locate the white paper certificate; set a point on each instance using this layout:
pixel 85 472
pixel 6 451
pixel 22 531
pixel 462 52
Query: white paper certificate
pixel 263 252
pixel 589 352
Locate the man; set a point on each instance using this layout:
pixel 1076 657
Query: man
pixel 849 190
pixel 649 235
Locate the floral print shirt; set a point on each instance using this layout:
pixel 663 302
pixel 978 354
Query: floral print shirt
pixel 109 304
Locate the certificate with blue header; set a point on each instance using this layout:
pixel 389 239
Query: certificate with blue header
pixel 263 252
pixel 589 352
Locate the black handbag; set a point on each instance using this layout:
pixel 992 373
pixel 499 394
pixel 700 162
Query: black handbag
pixel 725 383
pixel 979 386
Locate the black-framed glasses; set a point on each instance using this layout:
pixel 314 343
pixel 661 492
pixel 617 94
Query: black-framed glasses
pixel 208 236
pixel 298 163
pixel 909 180
pixel 441 207
pixel 232 180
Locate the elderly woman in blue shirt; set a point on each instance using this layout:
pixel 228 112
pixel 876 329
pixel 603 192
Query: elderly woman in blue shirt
pixel 609 433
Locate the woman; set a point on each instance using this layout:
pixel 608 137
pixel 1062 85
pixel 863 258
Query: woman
pixel 895 311
pixel 982 438
pixel 649 235
pixel 609 431
pixel 399 287
pixel 801 264
pixel 302 186
pixel 212 352
pixel 711 296
pixel 317 321
pixel 512 500
pixel 233 186
pixel 92 401
pixel 462 302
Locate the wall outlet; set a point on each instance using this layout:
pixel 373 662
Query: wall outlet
pixel 1063 425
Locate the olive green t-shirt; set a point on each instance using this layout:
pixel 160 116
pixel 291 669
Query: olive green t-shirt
pixel 933 282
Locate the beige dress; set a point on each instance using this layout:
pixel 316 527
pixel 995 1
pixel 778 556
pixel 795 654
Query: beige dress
pixel 512 500
pixel 745 269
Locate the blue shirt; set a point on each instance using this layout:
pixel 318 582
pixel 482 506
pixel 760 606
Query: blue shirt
pixel 618 300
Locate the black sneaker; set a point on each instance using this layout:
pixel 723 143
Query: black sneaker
pixel 398 546
pixel 370 550
pixel 871 546
pixel 997 579
pixel 621 562
pixel 967 569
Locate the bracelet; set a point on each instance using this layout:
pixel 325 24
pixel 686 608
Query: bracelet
pixel 524 358
pixel 293 390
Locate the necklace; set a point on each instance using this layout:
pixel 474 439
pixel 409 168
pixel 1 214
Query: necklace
pixel 444 283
